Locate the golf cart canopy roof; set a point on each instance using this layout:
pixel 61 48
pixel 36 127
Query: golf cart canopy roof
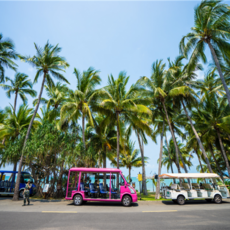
pixel 188 175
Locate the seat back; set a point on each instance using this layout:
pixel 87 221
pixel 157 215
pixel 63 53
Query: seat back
pixel 195 186
pixel 82 187
pixel 100 186
pixel 91 186
pixel 186 186
pixel 207 186
pixel 174 186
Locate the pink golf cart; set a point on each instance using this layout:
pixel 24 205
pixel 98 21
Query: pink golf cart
pixel 99 184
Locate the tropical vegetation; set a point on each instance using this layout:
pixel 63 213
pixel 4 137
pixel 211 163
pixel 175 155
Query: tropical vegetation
pixel 90 125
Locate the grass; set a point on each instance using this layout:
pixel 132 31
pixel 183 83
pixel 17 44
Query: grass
pixel 149 197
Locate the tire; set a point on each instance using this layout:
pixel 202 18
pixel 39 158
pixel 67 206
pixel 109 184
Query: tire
pixel 21 193
pixel 77 200
pixel 218 199
pixel 180 200
pixel 174 201
pixel 209 200
pixel 126 200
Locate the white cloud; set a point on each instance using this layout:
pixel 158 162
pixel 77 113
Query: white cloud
pixel 200 74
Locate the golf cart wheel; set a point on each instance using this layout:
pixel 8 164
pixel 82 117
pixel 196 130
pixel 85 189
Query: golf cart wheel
pixel 126 201
pixel 209 200
pixel 174 201
pixel 77 200
pixel 21 193
pixel 217 199
pixel 180 200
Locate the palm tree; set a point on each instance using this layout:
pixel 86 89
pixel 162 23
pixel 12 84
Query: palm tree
pixel 48 63
pixel 120 105
pixel 141 137
pixel 209 85
pixel 21 86
pixel 7 53
pixel 15 123
pixel 157 87
pixel 57 96
pixel 79 101
pixel 129 157
pixel 211 28
pixel 102 137
pixel 182 93
pixel 183 149
pixel 157 196
pixel 212 117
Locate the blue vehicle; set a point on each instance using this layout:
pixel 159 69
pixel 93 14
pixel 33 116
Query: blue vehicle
pixel 8 181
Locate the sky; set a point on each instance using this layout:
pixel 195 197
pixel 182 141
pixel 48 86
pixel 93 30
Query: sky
pixel 111 36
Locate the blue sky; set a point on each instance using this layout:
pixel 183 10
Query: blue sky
pixel 110 36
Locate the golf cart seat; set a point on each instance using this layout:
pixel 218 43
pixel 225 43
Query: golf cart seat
pixel 195 186
pixel 185 186
pixel 82 187
pixel 175 187
pixel 208 187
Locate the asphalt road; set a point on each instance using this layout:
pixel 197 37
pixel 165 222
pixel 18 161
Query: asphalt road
pixel 104 216
pixel 104 221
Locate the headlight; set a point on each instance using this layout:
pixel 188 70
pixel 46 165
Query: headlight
pixel 132 190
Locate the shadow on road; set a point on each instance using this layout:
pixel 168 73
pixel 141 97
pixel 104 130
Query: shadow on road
pixel 192 202
pixel 101 203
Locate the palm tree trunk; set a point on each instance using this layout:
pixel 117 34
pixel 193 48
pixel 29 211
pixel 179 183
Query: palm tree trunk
pixel 217 165
pixel 174 141
pixel 170 161
pixel 15 197
pixel 15 101
pixel 118 146
pixel 118 138
pixel 220 72
pixel 129 175
pixel 223 151
pixel 198 139
pixel 202 170
pixel 83 130
pixel 157 196
pixel 104 159
pixel 143 165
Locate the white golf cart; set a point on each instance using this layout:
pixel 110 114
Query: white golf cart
pixel 190 186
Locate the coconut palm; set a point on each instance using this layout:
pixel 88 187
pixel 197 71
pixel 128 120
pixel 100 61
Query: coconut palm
pixel 157 87
pixel 182 92
pixel 102 137
pixel 7 54
pixel 57 96
pixel 49 63
pixel 141 137
pixel 78 103
pixel 209 85
pixel 211 28
pixel 212 118
pixel 165 157
pixel 120 105
pixel 130 158
pixel 21 86
pixel 15 123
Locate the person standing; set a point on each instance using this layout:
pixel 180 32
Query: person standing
pixel 26 193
